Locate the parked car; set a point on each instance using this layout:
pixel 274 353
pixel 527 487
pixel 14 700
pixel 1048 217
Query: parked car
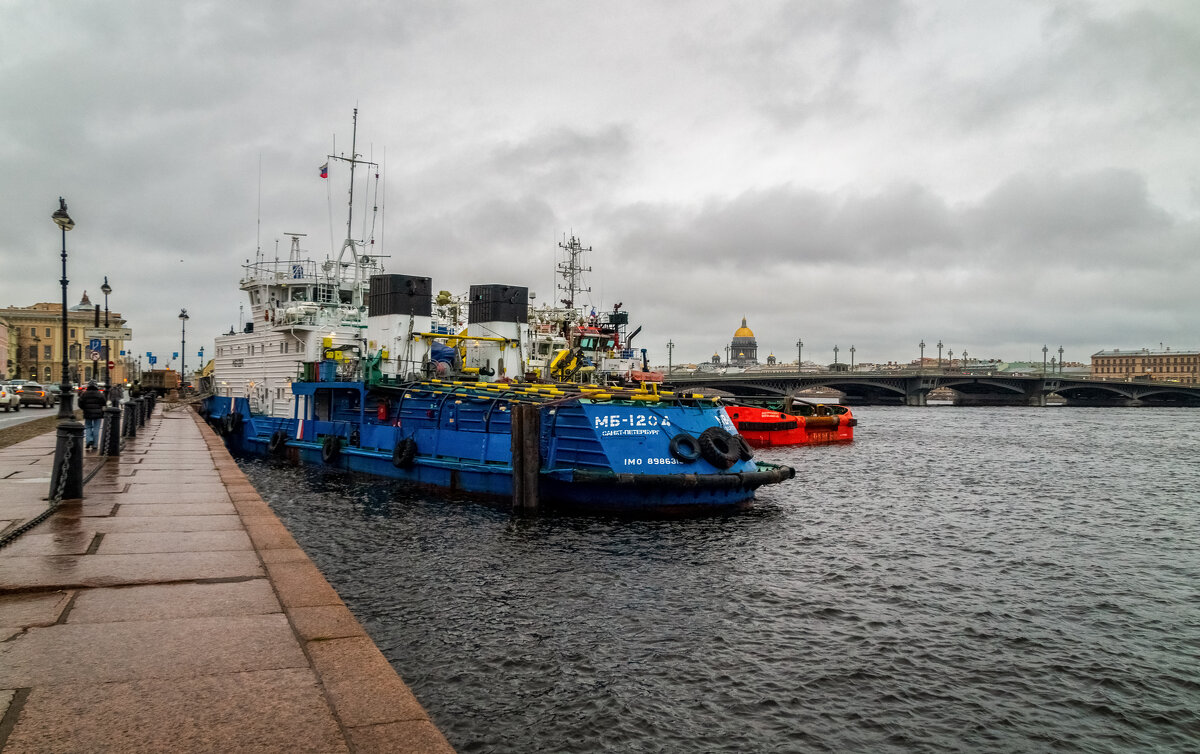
pixel 10 399
pixel 31 392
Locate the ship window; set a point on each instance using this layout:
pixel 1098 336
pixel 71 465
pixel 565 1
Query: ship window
pixel 299 294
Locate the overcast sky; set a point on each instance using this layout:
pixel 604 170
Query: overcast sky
pixel 996 175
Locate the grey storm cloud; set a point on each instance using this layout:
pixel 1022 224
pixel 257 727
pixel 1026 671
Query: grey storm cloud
pixel 993 174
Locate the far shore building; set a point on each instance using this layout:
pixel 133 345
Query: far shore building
pixel 1147 364
pixel 34 350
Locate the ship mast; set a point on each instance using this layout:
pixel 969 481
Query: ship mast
pixel 349 243
pixel 571 270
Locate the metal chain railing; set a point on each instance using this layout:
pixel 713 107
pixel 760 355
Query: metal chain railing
pixel 11 536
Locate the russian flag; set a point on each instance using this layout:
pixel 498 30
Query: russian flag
pixel 325 170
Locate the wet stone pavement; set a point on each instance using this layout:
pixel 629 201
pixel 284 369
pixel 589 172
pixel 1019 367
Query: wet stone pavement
pixel 170 610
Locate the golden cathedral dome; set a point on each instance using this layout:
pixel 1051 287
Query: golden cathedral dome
pixel 743 331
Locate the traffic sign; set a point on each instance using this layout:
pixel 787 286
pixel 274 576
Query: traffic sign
pixel 95 344
pixel 108 333
pixel 112 365
pixel 94 356
pixel 153 359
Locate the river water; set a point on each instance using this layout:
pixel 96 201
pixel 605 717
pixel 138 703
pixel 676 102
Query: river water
pixel 957 579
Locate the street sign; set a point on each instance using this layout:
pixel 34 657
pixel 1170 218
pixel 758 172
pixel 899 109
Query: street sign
pixel 95 344
pixel 175 354
pixel 108 333
pixel 94 356
pixel 112 365
pixel 153 359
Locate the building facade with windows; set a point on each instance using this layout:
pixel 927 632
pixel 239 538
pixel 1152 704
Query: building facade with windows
pixel 1147 364
pixel 35 343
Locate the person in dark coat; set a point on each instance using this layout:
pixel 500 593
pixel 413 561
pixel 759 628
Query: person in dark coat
pixel 91 403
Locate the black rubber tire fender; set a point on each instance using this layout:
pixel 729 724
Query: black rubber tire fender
pixel 745 452
pixel 277 442
pixel 718 447
pixel 404 453
pixel 331 448
pixel 685 448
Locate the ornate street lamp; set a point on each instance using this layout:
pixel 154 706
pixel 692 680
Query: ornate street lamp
pixel 852 349
pixel 1044 350
pixel 67 475
pixel 835 361
pixel 183 318
pixel 1060 364
pixel 921 363
pixel 670 355
pixel 799 356
pixel 107 289
pixel 939 354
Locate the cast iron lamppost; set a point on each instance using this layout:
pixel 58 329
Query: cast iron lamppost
pixel 67 474
pixel 107 289
pixel 670 354
pixel 183 318
pixel 1044 349
pixel 921 363
pixel 939 355
pixel 1060 351
pixel 799 356
pixel 964 361
pixel 835 362
pixel 852 349
pixel 950 359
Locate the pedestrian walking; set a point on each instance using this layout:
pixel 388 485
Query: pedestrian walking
pixel 91 403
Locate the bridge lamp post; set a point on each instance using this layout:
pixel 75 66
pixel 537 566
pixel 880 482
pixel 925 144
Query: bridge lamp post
pixel 939 355
pixel 835 361
pixel 852 349
pixel 670 353
pixel 1044 350
pixel 950 359
pixel 726 357
pixel 799 356
pixel 921 363
pixel 1060 352
pixel 964 361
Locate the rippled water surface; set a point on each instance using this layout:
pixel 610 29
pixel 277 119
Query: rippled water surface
pixel 970 579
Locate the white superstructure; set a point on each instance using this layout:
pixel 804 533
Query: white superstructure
pixel 301 310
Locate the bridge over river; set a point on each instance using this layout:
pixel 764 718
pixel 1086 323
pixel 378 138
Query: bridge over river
pixel 912 388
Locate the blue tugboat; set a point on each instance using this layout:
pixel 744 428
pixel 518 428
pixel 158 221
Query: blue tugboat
pixel 590 448
pixel 350 368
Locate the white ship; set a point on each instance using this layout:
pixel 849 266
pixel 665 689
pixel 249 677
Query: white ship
pixel 300 309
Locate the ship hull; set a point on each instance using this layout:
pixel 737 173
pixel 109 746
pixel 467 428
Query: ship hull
pixel 595 457
pixel 765 428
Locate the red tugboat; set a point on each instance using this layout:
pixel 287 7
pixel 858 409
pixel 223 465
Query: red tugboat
pixel 797 424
